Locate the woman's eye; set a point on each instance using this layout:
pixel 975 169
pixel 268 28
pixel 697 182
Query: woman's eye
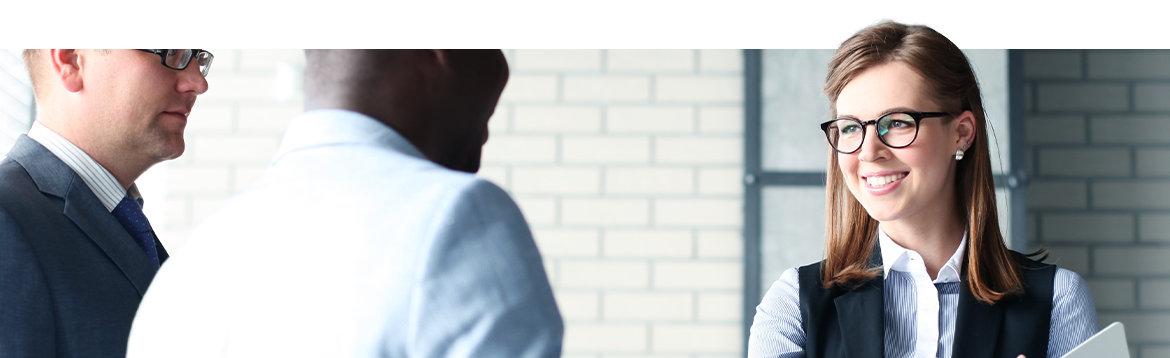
pixel 901 124
pixel 850 129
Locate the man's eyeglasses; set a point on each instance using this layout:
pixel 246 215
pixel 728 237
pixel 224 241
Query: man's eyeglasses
pixel 180 58
pixel 895 129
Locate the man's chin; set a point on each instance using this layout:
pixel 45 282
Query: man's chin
pixel 169 152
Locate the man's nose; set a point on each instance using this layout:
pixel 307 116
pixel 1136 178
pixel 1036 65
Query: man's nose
pixel 191 80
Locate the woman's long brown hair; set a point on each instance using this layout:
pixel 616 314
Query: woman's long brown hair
pixel 992 272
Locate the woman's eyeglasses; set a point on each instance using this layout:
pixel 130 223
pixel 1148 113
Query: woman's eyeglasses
pixel 895 129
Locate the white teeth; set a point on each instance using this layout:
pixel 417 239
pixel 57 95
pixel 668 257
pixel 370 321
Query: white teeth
pixel 881 181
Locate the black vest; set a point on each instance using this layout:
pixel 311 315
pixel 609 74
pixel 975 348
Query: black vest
pixel 840 323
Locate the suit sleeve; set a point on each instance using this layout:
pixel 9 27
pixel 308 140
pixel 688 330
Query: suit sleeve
pixel 482 290
pixel 26 311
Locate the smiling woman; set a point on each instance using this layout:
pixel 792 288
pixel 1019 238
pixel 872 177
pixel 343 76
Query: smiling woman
pixel 915 262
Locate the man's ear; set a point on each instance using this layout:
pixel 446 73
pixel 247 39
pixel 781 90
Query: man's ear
pixel 965 125
pixel 67 68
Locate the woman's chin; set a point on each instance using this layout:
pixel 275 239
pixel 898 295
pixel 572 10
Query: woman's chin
pixel 883 214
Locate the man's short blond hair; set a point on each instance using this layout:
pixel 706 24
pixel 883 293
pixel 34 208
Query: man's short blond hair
pixel 36 63
pixel 34 60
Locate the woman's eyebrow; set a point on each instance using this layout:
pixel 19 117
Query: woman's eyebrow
pixel 887 111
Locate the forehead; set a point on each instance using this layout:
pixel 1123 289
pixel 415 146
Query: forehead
pixel 883 88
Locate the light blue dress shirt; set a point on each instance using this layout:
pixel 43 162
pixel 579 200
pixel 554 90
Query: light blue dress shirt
pixel 352 244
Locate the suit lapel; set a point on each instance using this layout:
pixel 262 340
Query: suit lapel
pixel 861 314
pixel 82 207
pixel 977 325
pixel 162 253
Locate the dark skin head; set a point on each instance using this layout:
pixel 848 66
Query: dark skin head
pixel 440 100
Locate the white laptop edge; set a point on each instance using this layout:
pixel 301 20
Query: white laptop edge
pixel 1109 342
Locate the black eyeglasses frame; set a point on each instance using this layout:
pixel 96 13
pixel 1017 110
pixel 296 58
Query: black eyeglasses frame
pixel 162 56
pixel 916 116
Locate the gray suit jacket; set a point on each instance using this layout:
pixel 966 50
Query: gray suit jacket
pixel 71 277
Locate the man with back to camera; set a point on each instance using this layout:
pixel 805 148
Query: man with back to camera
pixel 76 252
pixel 376 240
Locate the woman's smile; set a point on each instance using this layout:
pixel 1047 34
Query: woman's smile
pixel 882 183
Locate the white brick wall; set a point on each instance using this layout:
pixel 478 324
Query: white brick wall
pixel 626 164
pixel 1098 132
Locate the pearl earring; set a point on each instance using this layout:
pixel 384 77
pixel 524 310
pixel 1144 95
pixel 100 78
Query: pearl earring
pixel 959 154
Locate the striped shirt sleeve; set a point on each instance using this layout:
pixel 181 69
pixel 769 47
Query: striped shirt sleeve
pixel 776 331
pixel 1074 316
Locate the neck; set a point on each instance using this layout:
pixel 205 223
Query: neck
pixel 403 118
pixel 122 166
pixel 936 240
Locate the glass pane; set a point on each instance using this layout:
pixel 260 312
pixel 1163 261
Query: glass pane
pixel 991 69
pixel 1003 206
pixel 16 99
pixel 792 108
pixel 793 220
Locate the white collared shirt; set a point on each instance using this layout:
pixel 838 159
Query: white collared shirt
pixel 909 262
pixel 100 181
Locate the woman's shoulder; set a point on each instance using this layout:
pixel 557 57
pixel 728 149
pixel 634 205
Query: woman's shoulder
pixel 790 278
pixel 809 272
pixel 1028 261
pixel 1066 284
pixel 1069 285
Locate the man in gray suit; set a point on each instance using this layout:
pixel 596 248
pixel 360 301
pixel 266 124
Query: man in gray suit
pixel 76 253
pixel 368 236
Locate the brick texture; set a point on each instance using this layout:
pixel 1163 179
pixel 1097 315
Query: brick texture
pixel 1083 97
pixel 628 166
pixel 1099 149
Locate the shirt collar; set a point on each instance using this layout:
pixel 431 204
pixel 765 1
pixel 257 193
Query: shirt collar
pixel 895 256
pixel 96 177
pixel 335 126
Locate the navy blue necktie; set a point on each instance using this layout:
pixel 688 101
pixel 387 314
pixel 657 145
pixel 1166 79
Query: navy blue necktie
pixel 129 214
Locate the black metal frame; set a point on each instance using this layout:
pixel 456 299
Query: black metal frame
pixel 162 56
pixel 756 178
pixel 753 72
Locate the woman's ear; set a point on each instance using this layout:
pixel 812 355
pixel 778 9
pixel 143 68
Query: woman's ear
pixel 965 125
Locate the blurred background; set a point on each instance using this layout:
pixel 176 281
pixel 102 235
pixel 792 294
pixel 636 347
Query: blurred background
pixel 667 189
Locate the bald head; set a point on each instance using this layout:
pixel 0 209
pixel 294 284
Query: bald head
pixel 440 100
